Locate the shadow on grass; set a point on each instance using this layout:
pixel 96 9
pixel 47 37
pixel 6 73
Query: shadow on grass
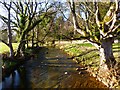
pixel 116 51
pixel 84 53
pixel 116 48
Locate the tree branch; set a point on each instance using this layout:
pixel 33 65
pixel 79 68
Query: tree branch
pixel 96 44
pixel 115 15
pixel 75 22
pixel 4 42
pixel 17 6
pixel 34 10
pixel 113 30
pixel 97 14
pixel 89 9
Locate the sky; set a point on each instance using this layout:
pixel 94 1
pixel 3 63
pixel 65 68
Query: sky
pixel 4 12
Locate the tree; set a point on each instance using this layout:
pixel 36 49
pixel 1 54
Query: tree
pixel 27 22
pixel 4 33
pixel 8 7
pixel 24 19
pixel 99 27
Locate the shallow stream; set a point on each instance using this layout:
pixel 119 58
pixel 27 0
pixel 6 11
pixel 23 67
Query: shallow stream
pixel 51 69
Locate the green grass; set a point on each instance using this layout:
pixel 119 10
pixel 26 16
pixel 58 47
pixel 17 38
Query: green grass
pixel 86 45
pixel 116 44
pixel 87 54
pixel 4 48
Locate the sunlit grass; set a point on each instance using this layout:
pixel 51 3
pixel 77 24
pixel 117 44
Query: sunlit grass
pixel 87 54
pixel 86 45
pixel 5 48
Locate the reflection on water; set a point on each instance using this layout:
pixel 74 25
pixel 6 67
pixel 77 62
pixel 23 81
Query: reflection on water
pixel 13 81
pixel 50 70
pixel 16 80
pixel 7 82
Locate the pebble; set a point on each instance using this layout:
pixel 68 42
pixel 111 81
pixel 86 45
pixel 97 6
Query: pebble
pixel 66 72
pixel 77 69
pixel 79 73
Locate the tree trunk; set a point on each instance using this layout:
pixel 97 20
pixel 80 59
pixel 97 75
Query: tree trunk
pixel 107 59
pixel 37 36
pixel 27 41
pixel 109 69
pixel 10 34
pixel 21 45
pixel 33 38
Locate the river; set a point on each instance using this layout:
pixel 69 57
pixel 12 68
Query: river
pixel 51 69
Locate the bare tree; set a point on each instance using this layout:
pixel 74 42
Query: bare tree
pixel 99 29
pixel 8 8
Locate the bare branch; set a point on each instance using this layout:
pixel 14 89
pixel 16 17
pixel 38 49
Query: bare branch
pixel 117 6
pixel 112 30
pixel 97 14
pixel 75 22
pixel 4 19
pixel 4 42
pixel 17 6
pixel 116 28
pixel 89 9
pixel 96 44
pixel 34 10
pixel 114 21
pixel 115 15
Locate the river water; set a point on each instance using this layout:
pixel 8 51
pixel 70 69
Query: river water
pixel 51 69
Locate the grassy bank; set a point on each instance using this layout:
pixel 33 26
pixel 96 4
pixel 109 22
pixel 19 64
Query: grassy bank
pixel 4 48
pixel 87 55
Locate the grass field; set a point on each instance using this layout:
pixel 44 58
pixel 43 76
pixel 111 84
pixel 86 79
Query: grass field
pixel 4 48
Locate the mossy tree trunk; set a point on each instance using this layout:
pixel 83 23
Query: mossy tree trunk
pixel 33 36
pixel 10 33
pixel 107 59
pixel 21 46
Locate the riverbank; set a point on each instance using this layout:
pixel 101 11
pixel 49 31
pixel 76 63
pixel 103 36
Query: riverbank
pixel 87 55
pixel 9 65
pixel 84 54
pixel 53 68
